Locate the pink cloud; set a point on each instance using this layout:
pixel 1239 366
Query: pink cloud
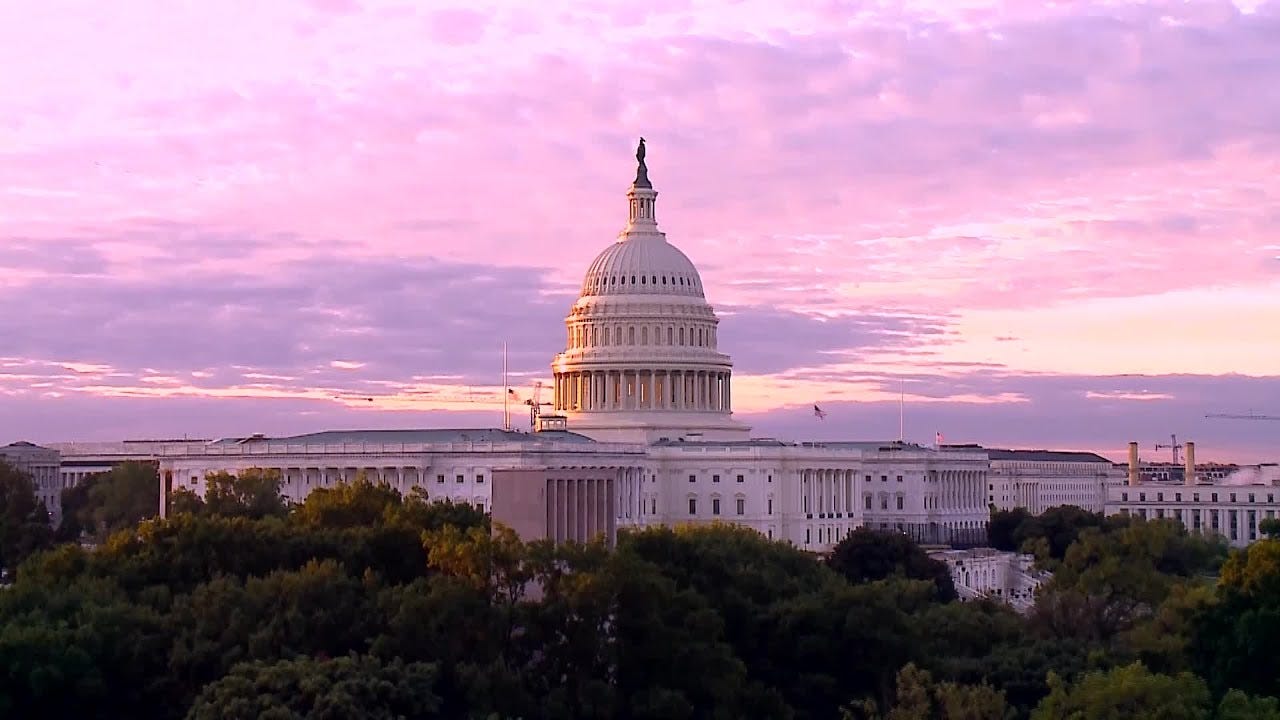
pixel 957 160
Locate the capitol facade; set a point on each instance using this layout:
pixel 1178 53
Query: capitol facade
pixel 643 392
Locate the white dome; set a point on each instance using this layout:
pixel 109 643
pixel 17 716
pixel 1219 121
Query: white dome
pixel 642 265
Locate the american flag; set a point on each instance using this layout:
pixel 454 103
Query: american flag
pixel 819 412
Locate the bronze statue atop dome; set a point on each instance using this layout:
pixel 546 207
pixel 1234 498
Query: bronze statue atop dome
pixel 642 170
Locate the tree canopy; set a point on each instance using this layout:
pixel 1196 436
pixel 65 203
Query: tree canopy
pixel 24 520
pixel 362 603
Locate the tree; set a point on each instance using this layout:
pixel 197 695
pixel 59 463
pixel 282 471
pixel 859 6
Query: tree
pixel 918 697
pixel 1002 527
pixel 346 504
pixel 117 499
pixel 1270 527
pixel 1233 641
pixel 865 555
pixel 350 688
pixel 418 511
pixel 24 521
pixel 1236 705
pixel 1126 693
pixel 251 493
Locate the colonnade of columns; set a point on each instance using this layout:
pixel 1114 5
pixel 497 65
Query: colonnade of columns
pixel 960 489
pixel 825 492
pixel 579 509
pixel 596 390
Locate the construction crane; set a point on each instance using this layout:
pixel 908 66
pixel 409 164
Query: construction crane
pixel 1173 445
pixel 1246 416
pixel 535 404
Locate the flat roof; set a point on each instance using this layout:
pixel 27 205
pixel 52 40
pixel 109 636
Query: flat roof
pixel 418 436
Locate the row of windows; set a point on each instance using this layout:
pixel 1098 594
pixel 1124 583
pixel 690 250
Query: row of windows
pixel 1195 497
pixel 739 504
pixel 600 282
pixel 693 478
pixel 461 479
pixel 582 336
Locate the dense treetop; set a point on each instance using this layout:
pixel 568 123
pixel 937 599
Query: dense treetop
pixel 361 603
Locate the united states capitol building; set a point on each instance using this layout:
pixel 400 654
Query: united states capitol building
pixel 643 401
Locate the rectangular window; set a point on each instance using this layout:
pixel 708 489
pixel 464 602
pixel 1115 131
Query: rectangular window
pixel 693 478
pixel 884 503
pixel 806 536
pixel 461 478
pixel 653 506
pixel 741 479
pixel 899 478
pixel 1214 497
pixel 1177 497
pixel 884 478
pixel 1250 497
pixel 480 507
pixel 742 506
pixel 867 501
pixel 770 478
pixel 1233 497
pixel 479 479
pixel 1124 497
pixel 440 478
pixel 693 506
pixel 868 478
pixel 715 478
pixel 1159 497
pixel 899 502
pixel 715 506
pixel 770 506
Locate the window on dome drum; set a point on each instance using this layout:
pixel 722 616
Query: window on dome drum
pixel 655 279
pixel 670 332
pixel 633 279
pixel 642 280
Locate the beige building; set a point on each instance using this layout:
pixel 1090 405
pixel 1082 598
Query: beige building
pixel 560 504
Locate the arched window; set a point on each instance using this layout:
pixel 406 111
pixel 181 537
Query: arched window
pixel 644 335
pixel 631 335
pixel 617 336
pixel 670 336
pixel 700 337
pixel 682 336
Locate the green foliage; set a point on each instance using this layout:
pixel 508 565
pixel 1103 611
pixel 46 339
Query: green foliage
pixel 24 521
pixel 1270 527
pixel 115 500
pixel 1048 535
pixel 1127 693
pixel 347 688
pixel 252 493
pixel 918 697
pixel 1235 640
pixel 865 555
pixel 233 608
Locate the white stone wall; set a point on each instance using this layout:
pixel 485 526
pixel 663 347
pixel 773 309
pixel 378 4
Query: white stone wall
pixel 1231 512
pixel 42 464
pixel 993 574
pixel 1039 485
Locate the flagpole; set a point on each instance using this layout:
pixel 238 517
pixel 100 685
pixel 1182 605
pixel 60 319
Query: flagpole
pixel 902 398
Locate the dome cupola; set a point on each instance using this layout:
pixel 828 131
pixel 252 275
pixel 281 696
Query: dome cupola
pixel 641 362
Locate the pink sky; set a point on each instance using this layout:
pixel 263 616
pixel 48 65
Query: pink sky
pixel 1050 226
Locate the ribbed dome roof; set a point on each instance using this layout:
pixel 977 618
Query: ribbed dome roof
pixel 642 265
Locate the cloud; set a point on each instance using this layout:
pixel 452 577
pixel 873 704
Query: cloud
pixel 960 189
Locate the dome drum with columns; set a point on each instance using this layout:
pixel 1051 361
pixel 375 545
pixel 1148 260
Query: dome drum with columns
pixel 640 363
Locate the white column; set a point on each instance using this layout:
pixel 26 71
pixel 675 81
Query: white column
pixel 653 387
